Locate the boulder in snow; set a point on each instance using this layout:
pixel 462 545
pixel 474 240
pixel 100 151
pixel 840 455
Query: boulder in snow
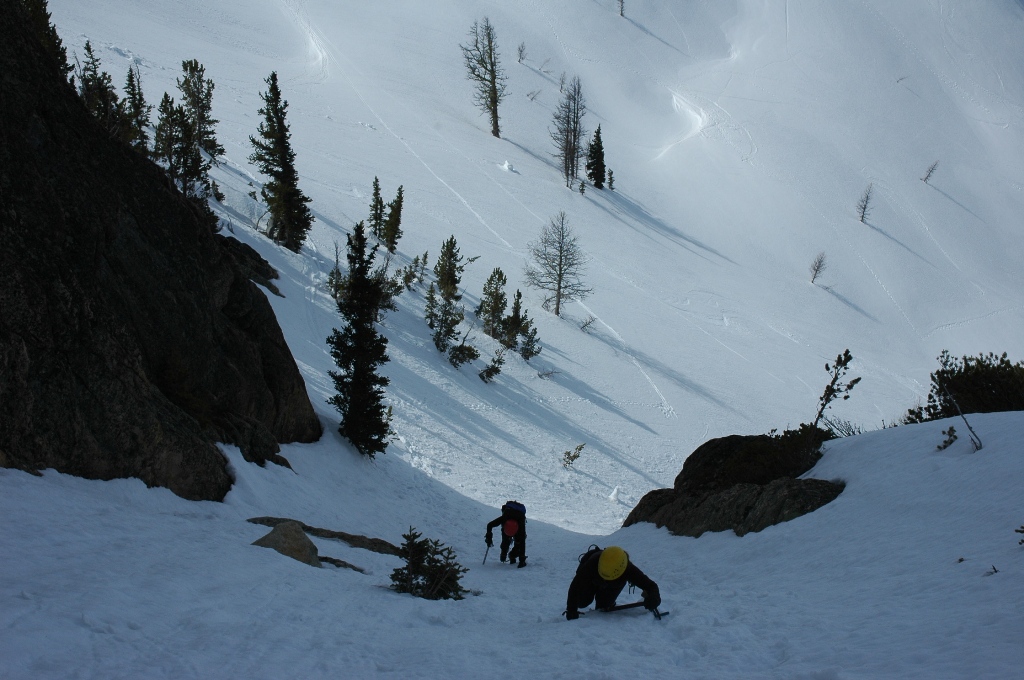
pixel 290 540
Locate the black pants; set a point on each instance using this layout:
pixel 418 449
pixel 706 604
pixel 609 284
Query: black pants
pixel 519 551
pixel 605 595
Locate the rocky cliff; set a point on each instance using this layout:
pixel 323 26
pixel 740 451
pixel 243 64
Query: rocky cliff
pixel 131 338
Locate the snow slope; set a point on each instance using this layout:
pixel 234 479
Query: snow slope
pixel 741 134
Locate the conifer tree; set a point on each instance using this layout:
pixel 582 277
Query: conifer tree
pixel 519 325
pixel 290 218
pixel 595 160
pixel 493 303
pixel 392 230
pixel 358 350
pixel 137 112
pixel 197 100
pixel 512 323
pixel 377 212
pixel 431 569
pixel 448 270
pixel 96 88
pixel 174 145
pixel 530 346
pixel 430 309
pixel 491 371
pixel 44 29
pixel 484 68
pixel 447 317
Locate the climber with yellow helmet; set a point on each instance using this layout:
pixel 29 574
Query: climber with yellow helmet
pixel 600 578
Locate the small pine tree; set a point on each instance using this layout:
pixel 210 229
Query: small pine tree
pixel 493 303
pixel 197 100
pixel 137 112
pixel 290 218
pixel 358 350
pixel 392 230
pixel 96 88
pixel 519 325
pixel 595 160
pixel 448 270
pixel 336 278
pixel 835 388
pixel 570 457
pixel 377 212
pixel 491 371
pixel 463 352
pixel 430 310
pixel 431 569
pixel 447 317
pixel 611 180
pixel 530 346
pixel 175 147
pixel 513 323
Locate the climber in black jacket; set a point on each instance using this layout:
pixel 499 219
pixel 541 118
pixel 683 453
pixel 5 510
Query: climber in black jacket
pixel 513 528
pixel 601 576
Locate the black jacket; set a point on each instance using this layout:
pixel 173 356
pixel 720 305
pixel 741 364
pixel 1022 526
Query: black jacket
pixel 506 515
pixel 588 585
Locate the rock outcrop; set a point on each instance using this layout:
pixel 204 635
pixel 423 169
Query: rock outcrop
pixel 743 483
pixel 290 540
pixel 131 338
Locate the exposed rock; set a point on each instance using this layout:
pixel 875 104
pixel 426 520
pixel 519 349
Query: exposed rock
pixel 290 540
pixel 743 483
pixel 377 545
pixel 342 564
pixel 131 338
pixel 744 459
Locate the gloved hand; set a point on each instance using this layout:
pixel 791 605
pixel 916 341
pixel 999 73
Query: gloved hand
pixel 571 615
pixel 488 540
pixel 652 600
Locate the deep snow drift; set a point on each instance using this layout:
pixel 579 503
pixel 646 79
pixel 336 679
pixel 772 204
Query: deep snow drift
pixel 741 135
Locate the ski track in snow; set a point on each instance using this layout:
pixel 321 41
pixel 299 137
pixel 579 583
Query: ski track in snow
pixel 666 407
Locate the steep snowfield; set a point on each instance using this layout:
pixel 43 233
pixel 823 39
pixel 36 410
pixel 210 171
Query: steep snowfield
pixel 741 135
pixel 891 580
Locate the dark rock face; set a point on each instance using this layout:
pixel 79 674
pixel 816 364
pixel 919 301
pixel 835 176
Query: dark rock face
pixel 131 338
pixel 743 483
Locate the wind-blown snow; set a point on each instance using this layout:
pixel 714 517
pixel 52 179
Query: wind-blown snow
pixel 741 134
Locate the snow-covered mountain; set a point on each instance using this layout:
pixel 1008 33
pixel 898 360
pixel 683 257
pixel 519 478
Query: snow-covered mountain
pixel 742 134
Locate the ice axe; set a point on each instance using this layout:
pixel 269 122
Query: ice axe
pixel 634 605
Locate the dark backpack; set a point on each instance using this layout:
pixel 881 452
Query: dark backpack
pixel 515 506
pixel 591 551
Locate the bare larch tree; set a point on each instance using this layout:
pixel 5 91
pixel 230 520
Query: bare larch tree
pixel 558 266
pixel 484 68
pixel 568 132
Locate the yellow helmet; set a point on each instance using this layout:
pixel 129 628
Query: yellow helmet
pixel 612 563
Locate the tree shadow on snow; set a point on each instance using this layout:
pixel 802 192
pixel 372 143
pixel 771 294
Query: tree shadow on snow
pixel 965 208
pixel 849 303
pixel 898 242
pixel 640 215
